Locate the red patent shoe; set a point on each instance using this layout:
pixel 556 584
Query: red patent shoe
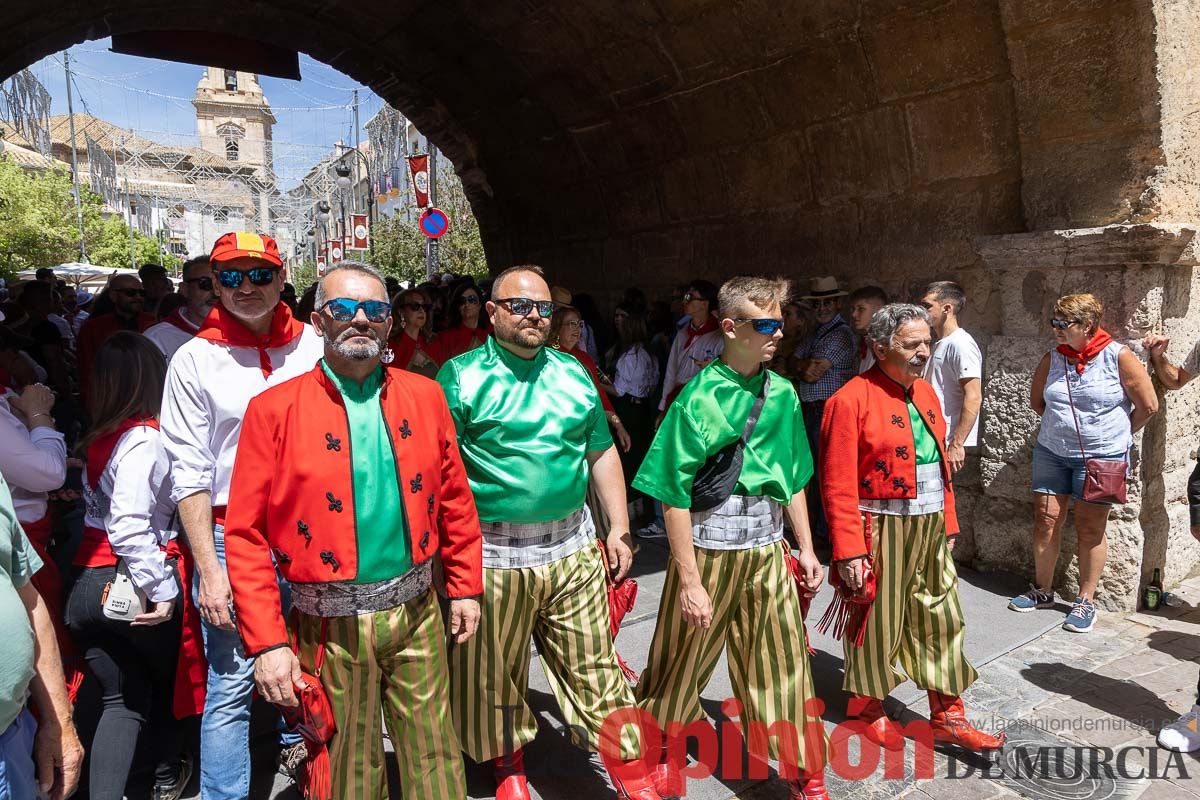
pixel 510 777
pixel 948 719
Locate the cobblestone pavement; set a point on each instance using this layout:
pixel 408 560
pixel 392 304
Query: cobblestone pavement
pixel 1071 702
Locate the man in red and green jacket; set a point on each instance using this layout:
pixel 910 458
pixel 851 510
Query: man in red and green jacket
pixel 350 480
pixel 890 505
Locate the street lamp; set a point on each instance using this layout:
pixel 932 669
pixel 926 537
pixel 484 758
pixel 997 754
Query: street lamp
pixel 343 176
pixel 323 210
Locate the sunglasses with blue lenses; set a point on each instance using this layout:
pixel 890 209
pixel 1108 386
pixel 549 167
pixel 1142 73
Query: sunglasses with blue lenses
pixel 343 309
pixel 259 276
pixel 767 327
pixel 521 306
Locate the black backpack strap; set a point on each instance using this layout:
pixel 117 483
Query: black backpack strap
pixel 756 409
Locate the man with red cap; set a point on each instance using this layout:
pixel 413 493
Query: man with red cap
pixel 248 342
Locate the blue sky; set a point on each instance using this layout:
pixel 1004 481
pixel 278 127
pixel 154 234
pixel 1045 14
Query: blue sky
pixel 153 98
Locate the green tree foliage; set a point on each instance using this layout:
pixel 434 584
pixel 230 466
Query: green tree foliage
pixel 400 245
pixel 39 227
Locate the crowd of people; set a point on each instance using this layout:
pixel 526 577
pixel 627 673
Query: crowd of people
pixel 364 502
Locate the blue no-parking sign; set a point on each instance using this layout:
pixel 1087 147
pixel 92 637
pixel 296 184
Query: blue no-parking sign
pixel 434 223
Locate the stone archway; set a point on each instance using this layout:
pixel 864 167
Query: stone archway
pixel 897 141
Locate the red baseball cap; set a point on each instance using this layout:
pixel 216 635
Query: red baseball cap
pixel 245 244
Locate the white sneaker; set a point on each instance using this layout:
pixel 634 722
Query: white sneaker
pixel 1182 735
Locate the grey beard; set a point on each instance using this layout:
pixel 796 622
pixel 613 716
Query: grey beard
pixel 356 352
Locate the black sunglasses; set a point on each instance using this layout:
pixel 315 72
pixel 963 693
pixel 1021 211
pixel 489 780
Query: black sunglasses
pixel 259 276
pixel 204 283
pixel 767 327
pixel 468 300
pixel 131 292
pixel 521 306
pixel 1063 324
pixel 426 307
pixel 343 309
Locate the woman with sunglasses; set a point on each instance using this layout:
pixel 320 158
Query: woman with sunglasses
pixel 1093 394
pixel 566 331
pixel 413 347
pixel 127 522
pixel 469 326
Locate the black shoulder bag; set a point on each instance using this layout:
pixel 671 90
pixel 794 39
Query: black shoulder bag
pixel 715 480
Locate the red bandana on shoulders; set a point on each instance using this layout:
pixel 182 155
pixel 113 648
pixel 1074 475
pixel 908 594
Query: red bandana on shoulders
pixel 694 333
pixel 1095 345
pixel 222 327
pixel 100 451
pixel 176 318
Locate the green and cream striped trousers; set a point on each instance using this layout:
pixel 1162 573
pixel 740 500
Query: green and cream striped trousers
pixel 563 606
pixel 916 618
pixel 757 622
pixel 391 664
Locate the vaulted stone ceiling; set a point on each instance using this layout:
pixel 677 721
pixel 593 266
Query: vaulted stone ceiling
pixel 643 141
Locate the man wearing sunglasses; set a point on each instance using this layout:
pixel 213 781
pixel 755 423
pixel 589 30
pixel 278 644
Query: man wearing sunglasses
pixel 248 342
pixel 728 577
pixel 128 301
pixel 182 324
pixel 354 498
pixel 532 431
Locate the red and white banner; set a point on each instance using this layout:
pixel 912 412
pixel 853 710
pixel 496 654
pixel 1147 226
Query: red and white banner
pixel 418 167
pixel 359 232
pixel 320 265
pixel 335 251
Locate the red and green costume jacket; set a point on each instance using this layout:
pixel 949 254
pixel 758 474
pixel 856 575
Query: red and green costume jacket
pixel 292 499
pixel 868 451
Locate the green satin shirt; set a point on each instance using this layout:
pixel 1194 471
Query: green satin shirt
pixel 379 524
pixel 525 427
pixel 710 414
pixel 923 439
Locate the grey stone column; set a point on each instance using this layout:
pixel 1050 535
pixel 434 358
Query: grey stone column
pixel 1146 277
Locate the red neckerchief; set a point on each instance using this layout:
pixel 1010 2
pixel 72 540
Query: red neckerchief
pixel 222 327
pixel 862 347
pixel 100 451
pixel 693 333
pixel 1090 350
pixel 177 319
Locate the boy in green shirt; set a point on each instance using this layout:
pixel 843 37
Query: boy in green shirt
pixel 728 581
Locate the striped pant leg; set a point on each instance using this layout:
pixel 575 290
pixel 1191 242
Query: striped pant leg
pixel 489 674
pixel 932 646
pixel 769 666
pixel 350 676
pixel 411 647
pixel 578 653
pixel 871 669
pixel 683 656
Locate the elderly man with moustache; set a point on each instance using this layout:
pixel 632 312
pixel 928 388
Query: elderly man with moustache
pixel 532 432
pixel 249 342
pixel 353 498
pixel 184 323
pixel 890 505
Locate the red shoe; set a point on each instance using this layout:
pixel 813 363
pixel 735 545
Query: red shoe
pixel 510 777
pixel 809 786
pixel 668 780
pixel 948 719
pixel 635 785
pixel 880 728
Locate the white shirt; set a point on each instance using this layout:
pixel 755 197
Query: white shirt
pixel 64 328
pixel 33 462
pixel 78 320
pixel 637 373
pixel 868 360
pixel 955 358
pixel 209 386
pixel 167 337
pixel 685 360
pixel 132 504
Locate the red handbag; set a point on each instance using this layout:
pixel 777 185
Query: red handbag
pixel 848 611
pixel 312 718
pixel 793 565
pixel 621 597
pixel 1105 480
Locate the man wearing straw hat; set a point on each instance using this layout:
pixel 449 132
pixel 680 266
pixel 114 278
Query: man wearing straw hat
pixel 826 361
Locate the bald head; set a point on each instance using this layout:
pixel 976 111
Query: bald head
pixel 515 281
pixel 127 295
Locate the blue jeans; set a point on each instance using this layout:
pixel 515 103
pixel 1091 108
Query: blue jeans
pixel 18 777
pixel 225 727
pixel 1062 475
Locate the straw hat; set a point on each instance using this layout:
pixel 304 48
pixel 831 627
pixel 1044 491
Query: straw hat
pixel 824 288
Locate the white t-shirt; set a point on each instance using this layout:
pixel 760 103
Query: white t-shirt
pixel 955 358
pixel 169 337
pixel 1191 364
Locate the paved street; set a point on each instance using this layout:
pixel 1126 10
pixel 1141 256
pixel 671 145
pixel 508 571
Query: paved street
pixel 1054 691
